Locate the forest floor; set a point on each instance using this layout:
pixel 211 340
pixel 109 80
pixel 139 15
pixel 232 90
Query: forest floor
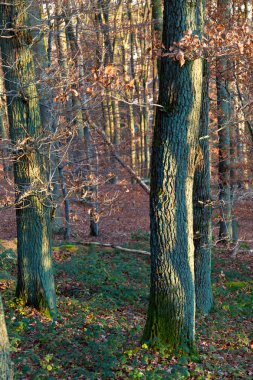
pixel 103 296
pixel 102 300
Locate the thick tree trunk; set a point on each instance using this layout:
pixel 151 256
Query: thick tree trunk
pixel 45 94
pixel 171 313
pixel 203 209
pixel 35 285
pixel 6 370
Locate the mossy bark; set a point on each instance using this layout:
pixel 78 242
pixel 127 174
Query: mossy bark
pixel 171 313
pixel 203 209
pixel 35 284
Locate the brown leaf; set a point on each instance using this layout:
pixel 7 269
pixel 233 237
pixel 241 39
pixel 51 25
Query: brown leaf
pixel 240 47
pixel 180 57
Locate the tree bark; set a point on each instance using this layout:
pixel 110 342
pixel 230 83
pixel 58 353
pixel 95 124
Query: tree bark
pixel 4 130
pixel 202 217
pixel 6 370
pixel 224 114
pixel 171 312
pixel 35 284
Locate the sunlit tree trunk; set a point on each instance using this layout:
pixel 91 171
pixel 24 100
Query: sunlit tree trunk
pixel 143 46
pixel 245 132
pixel 6 370
pixel 128 62
pixel 75 53
pixel 157 26
pixel 35 284
pixel 41 63
pixel 171 313
pixel 62 58
pixel 45 94
pixel 233 156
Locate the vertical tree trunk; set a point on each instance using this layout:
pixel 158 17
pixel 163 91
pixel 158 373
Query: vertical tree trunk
pixel 6 370
pixel 157 15
pixel 234 160
pixel 35 285
pixel 94 212
pixel 224 114
pixel 202 217
pixel 45 94
pixel 4 132
pixel 129 69
pixel 171 313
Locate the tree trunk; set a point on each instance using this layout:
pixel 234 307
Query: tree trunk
pixel 202 217
pixel 4 132
pixel 6 371
pixel 35 284
pixel 224 114
pixel 171 313
pixel 47 112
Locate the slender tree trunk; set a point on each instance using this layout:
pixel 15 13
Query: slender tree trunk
pixel 6 368
pixel 4 132
pixel 224 115
pixel 41 63
pixel 62 57
pixel 131 127
pixel 128 64
pixel 157 15
pixel 67 229
pixel 141 87
pixel 171 313
pixel 202 217
pixel 234 161
pixel 94 211
pixel 35 285
pixel 223 101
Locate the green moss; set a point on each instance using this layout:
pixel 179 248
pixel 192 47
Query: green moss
pixel 238 284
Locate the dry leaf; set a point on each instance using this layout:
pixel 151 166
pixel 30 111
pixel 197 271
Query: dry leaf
pixel 180 57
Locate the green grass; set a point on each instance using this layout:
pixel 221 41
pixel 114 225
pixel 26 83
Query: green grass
pixel 102 301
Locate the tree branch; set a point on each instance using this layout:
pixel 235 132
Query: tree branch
pixel 108 245
pixel 116 156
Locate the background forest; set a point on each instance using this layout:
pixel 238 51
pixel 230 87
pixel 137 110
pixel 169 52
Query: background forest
pixel 116 115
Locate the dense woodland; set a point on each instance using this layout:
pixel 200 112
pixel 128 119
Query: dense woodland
pixel 117 115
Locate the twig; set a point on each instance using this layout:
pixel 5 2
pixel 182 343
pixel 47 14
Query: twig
pixel 118 158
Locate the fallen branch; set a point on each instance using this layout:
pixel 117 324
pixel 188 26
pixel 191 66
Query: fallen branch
pixel 117 157
pixel 235 250
pixel 108 245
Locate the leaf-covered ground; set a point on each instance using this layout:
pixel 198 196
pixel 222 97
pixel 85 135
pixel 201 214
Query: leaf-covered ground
pixel 102 299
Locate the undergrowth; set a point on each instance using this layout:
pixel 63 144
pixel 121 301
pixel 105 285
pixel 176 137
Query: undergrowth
pixel 102 300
